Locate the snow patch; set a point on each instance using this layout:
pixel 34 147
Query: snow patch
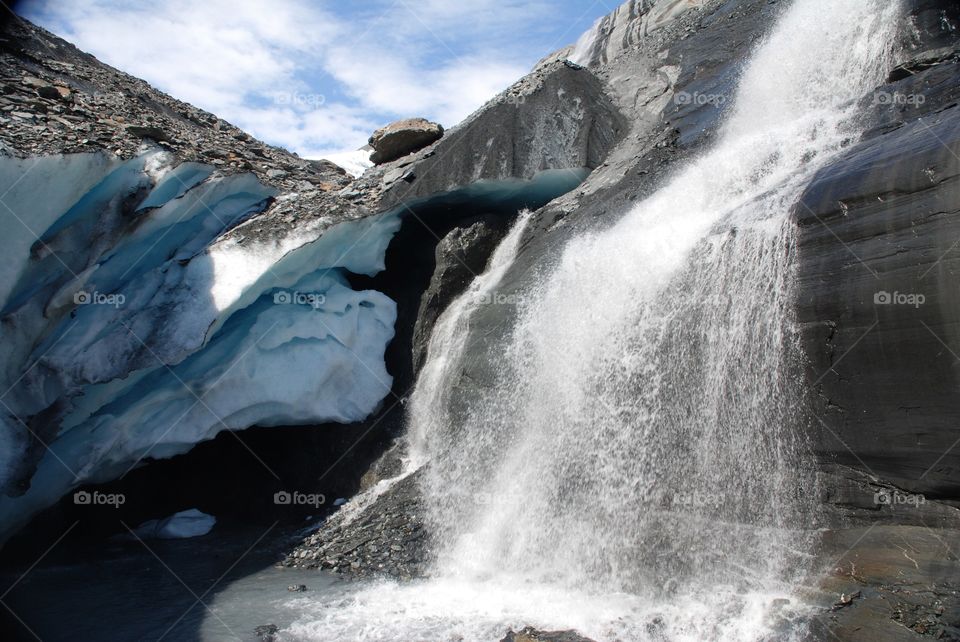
pixel 186 523
pixel 355 162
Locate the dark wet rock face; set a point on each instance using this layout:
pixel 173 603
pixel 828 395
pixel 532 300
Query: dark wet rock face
pixel 878 309
pixel 460 256
pixel 878 300
pixel 266 632
pixel 403 137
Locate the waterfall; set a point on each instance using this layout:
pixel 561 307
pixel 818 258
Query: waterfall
pixel 429 411
pixel 635 470
pixel 640 434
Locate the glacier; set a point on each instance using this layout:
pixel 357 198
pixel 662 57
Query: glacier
pixel 146 312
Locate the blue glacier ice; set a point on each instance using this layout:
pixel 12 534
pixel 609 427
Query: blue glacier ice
pixel 135 324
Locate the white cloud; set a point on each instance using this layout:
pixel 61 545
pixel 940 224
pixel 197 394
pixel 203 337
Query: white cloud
pixel 310 76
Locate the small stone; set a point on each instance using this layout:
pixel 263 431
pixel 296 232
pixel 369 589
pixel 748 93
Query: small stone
pixel 48 91
pixel 845 600
pixel 266 632
pixel 297 588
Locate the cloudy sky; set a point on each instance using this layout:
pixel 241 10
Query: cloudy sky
pixel 318 76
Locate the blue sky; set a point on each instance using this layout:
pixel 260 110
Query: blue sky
pixel 318 76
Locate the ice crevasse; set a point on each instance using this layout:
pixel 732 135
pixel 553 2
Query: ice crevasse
pixel 139 319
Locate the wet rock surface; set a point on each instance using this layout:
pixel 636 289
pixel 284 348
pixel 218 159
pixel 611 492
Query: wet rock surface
pixel 877 264
pixel 890 567
pixel 460 256
pixel 266 632
pixel 530 634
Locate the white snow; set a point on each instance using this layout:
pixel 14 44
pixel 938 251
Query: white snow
pixel 186 523
pixel 355 162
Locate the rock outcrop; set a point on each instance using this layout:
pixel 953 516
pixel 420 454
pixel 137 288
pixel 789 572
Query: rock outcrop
pixel 383 536
pixel 460 256
pixel 403 137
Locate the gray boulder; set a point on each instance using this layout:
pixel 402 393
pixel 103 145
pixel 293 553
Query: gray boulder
pixel 403 137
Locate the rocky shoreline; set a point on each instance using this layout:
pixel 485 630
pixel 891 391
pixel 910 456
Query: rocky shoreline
pixel 384 537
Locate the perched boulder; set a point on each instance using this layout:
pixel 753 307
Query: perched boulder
pixel 403 137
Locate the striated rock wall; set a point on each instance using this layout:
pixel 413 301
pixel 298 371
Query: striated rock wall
pixel 878 263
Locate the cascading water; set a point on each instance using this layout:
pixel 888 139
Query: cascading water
pixel 636 455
